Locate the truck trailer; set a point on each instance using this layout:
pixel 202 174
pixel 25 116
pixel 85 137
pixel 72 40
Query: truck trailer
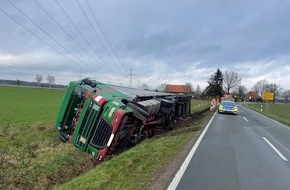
pixel 100 118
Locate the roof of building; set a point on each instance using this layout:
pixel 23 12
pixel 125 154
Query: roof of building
pixel 251 93
pixel 178 88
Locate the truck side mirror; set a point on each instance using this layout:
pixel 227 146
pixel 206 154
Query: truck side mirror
pixel 93 85
pixel 87 81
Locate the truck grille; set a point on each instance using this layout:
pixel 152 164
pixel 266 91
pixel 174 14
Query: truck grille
pixel 101 134
pixel 86 127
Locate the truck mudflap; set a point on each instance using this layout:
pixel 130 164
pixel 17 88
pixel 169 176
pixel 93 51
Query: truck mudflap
pixel 115 123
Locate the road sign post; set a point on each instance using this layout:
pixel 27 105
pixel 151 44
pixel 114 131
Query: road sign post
pixel 267 96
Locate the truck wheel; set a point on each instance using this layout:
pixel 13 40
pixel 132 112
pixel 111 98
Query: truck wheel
pixel 171 125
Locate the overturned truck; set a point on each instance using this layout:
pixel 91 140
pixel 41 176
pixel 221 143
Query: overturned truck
pixel 100 119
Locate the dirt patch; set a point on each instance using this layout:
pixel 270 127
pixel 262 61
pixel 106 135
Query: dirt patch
pixel 163 179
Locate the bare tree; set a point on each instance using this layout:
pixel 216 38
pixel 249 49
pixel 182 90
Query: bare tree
pixel 144 87
pixel 261 86
pixel 286 94
pixel 191 87
pixel 39 79
pixel 197 92
pixel 50 79
pixel 231 80
pixel 161 87
pixel 273 88
pixel 241 91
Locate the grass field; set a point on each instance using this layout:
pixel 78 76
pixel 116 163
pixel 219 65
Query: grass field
pixel 33 157
pixel 199 105
pixel 279 112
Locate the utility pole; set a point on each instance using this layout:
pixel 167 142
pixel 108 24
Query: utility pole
pixel 130 75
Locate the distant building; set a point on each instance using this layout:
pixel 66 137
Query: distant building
pixel 228 97
pixel 178 89
pixel 252 96
pixel 231 94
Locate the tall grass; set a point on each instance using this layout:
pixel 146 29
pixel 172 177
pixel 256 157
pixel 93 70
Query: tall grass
pixel 199 105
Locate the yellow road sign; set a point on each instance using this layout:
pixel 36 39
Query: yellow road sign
pixel 268 96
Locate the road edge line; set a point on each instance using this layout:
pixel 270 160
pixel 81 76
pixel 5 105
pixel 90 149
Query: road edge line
pixel 273 120
pixel 175 181
pixel 275 149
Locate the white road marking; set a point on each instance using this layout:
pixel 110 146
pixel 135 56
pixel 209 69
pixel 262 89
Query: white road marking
pixel 275 149
pixel 261 128
pixel 245 119
pixel 184 165
pixel 277 122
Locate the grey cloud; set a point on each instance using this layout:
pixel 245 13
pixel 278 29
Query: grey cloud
pixel 222 34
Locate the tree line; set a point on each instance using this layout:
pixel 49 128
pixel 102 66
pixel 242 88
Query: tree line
pixel 221 83
pixel 50 79
pixel 39 82
pixel 229 82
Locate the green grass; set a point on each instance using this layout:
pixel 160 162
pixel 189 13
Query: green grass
pixel 199 105
pixel 132 169
pixel 33 157
pixel 28 115
pixel 25 106
pixel 279 112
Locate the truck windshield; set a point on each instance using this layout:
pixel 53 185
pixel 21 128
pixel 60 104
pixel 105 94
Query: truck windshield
pixel 75 101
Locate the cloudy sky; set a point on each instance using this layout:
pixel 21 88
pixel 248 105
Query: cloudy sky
pixel 155 42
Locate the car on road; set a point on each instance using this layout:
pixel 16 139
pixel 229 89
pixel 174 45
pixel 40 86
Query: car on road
pixel 225 99
pixel 228 107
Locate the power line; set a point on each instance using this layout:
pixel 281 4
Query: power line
pixel 68 17
pixel 20 71
pixel 102 31
pixel 51 17
pixel 44 41
pixel 62 28
pixel 49 35
pixel 87 18
pixel 38 37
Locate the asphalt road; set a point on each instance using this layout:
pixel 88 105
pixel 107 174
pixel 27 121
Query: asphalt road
pixel 247 151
